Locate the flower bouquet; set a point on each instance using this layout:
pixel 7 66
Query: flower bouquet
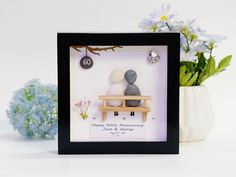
pixel 196 46
pixel 197 64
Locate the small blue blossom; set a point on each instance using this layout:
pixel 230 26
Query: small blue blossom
pixel 148 25
pixel 211 41
pixel 33 110
pixel 158 21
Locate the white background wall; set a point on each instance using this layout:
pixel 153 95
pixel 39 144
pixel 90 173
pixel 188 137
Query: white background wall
pixel 28 49
pixel 28 32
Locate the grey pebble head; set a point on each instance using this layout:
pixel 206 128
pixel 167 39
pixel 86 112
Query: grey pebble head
pixel 132 89
pixel 130 76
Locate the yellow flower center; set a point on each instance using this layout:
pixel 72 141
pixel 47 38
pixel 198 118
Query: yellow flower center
pixel 163 18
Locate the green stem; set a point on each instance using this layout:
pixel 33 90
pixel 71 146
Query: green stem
pixel 210 49
pixel 84 115
pixel 211 53
pixel 168 26
pixel 188 47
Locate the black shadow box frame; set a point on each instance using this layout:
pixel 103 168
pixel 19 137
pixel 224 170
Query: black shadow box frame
pixel 171 40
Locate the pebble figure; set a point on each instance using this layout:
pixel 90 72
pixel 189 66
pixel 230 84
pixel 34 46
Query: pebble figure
pixel 132 89
pixel 117 77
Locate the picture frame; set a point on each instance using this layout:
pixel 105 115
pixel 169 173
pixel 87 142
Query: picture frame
pixel 74 79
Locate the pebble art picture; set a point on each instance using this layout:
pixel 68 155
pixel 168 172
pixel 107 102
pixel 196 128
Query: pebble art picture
pixel 122 88
pixel 116 92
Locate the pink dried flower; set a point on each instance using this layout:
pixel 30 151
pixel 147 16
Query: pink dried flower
pixel 83 105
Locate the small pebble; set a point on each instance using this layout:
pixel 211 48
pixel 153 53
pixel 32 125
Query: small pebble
pixel 132 90
pixel 117 76
pixel 130 76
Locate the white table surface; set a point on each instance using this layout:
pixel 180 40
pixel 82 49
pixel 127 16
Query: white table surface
pixel 216 156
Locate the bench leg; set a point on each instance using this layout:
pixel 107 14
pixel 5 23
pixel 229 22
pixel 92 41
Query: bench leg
pixel 132 114
pixel 144 116
pixel 104 116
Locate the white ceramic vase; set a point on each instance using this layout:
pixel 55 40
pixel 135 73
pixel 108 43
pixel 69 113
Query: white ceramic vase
pixel 196 114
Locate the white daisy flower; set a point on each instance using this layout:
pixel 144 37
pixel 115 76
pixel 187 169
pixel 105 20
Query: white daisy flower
pixel 163 15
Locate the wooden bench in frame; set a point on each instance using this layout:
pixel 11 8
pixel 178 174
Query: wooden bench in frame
pixel 144 108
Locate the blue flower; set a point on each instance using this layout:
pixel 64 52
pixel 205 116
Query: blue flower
pixel 33 110
pixel 147 24
pixel 193 39
pixel 211 41
pixel 158 21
